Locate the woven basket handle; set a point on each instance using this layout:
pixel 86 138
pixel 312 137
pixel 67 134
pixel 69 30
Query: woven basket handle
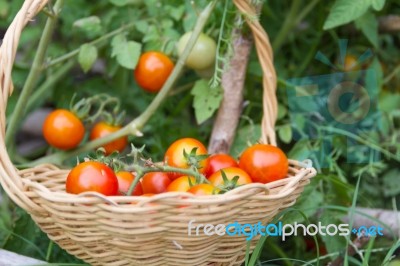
pixel 9 177
pixel 265 57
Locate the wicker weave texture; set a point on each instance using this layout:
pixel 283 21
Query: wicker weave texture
pixel 146 231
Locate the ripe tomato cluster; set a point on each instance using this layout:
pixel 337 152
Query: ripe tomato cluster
pixel 186 168
pixel 64 130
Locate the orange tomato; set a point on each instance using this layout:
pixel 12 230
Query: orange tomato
pixel 175 155
pixel 217 162
pixel 155 182
pixel 264 163
pixel 92 176
pixel 182 184
pixel 63 129
pixel 152 70
pixel 102 129
pixel 125 180
pixel 203 189
pixel 217 179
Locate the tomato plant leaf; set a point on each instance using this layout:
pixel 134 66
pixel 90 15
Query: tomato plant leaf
pixel 368 25
pixel 308 203
pixel 87 56
pixel 333 243
pixel 245 136
pixel 391 185
pixel 344 11
pixel 206 100
pixel 378 4
pixel 125 2
pixel 142 26
pixel 285 133
pixel 176 12
pixel 126 52
pixel 4 8
pixel 91 26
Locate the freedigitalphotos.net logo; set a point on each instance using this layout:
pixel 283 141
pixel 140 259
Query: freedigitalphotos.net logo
pixel 340 104
pixel 280 230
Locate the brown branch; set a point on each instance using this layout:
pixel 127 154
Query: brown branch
pixel 232 83
pixel 387 217
pixel 390 23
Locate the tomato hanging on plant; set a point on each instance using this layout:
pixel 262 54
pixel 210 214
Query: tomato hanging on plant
pixel 92 176
pixel 63 129
pixel 202 56
pixel 152 70
pixel 102 129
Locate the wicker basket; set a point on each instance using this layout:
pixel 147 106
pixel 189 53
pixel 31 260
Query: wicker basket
pixel 108 231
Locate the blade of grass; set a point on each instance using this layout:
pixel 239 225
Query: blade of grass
pixel 368 251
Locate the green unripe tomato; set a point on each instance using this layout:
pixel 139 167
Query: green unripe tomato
pixel 206 73
pixel 203 53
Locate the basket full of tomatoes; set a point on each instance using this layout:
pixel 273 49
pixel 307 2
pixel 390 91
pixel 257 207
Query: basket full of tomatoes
pixel 125 209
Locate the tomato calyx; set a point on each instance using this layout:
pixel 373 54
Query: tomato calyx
pixel 228 184
pixel 193 159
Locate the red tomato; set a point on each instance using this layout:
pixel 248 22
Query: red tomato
pixel 125 180
pixel 264 163
pixel 63 129
pixel 203 189
pixel 92 176
pixel 152 70
pixel 217 162
pixel 182 184
pixel 175 155
pixel 155 182
pixel 231 172
pixel 102 129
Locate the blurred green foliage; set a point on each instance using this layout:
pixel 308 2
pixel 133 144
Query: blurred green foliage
pixel 157 25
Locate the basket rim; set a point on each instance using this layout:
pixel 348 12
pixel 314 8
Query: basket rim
pixel 284 186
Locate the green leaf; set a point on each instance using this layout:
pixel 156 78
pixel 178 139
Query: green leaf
pixel 378 4
pixel 87 56
pixel 125 2
pixel 23 237
pixel 142 26
pixel 126 52
pixel 206 100
pixel 388 101
pixel 4 8
pixel 300 151
pixel 90 25
pixel 345 11
pixel 368 25
pixel 308 203
pixel 177 12
pixel 333 243
pixel 245 136
pixel 282 111
pixel 391 185
pixel 285 133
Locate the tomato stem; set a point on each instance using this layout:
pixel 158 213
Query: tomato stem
pixel 141 171
pixel 133 128
pixel 33 75
pixel 99 42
